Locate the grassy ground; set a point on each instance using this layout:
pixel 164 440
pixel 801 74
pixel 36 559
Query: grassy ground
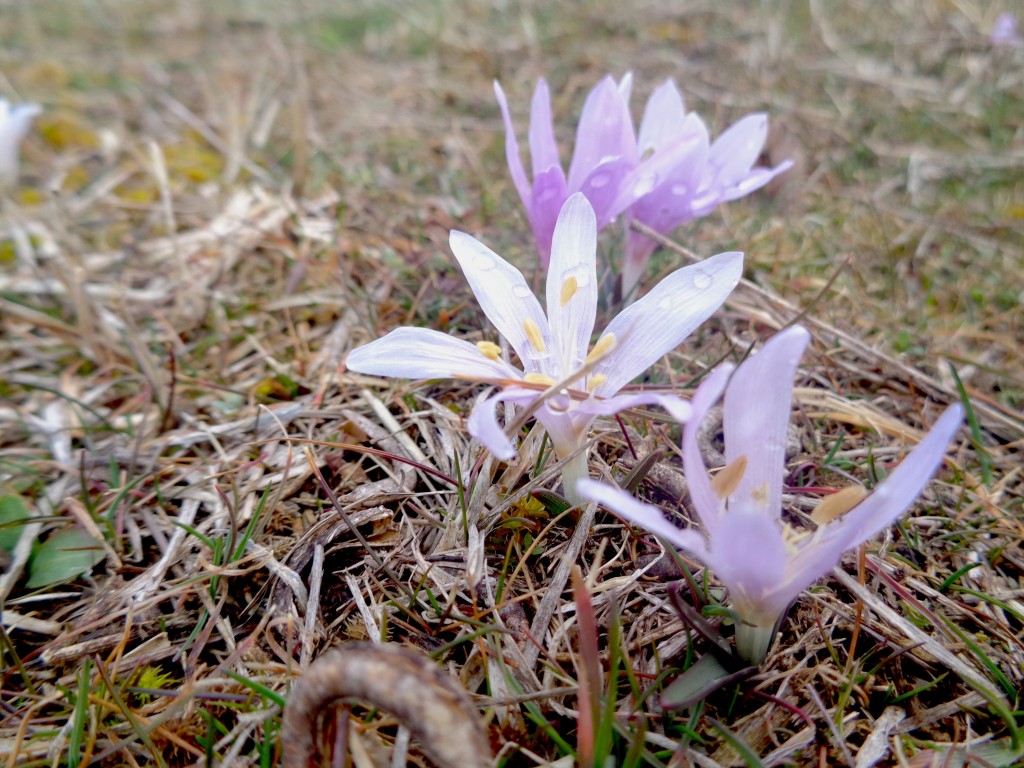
pixel 220 200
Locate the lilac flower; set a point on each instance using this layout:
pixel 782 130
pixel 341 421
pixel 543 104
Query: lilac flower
pixel 764 563
pixel 663 177
pixel 14 124
pixel 552 348
pixel 700 177
pixel 1005 32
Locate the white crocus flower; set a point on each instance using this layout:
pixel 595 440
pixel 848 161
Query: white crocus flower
pixel 575 385
pixel 14 124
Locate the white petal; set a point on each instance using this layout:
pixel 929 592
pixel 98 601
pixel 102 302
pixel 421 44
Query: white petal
pixel 676 407
pixel 757 406
pixel 659 322
pixel 572 284
pixel 505 298
pixel 422 353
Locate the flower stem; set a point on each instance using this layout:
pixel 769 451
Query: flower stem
pixel 574 470
pixel 754 640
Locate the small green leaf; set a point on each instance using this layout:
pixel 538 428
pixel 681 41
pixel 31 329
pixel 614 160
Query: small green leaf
pixel 65 555
pixel 13 513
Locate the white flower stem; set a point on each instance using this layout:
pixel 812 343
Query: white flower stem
pixel 574 470
pixel 754 640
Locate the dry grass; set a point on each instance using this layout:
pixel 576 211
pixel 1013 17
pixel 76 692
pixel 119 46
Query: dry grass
pixel 219 203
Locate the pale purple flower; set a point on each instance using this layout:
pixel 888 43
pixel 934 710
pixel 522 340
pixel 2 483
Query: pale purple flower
pixel 14 124
pixel 700 176
pixel 1005 31
pixel 763 562
pixel 552 347
pixel 668 174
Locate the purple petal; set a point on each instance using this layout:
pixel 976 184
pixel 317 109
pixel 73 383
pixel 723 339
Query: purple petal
pixel 603 187
pixel 705 502
pixel 483 421
pixel 605 133
pixel 543 147
pixel 643 515
pixel 758 402
pixel 505 298
pixel 663 119
pixel 422 353
pixel 515 162
pixel 889 500
pixel 658 322
pixel 572 284
pixel 748 554
pixel 549 195
pixel 734 152
pixel 753 181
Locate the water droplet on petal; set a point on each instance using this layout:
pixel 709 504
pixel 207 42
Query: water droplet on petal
pixel 521 291
pixel 546 195
pixel 560 402
pixel 599 180
pixel 665 303
pixel 483 262
pixel 645 184
pixel 679 189
pixel 701 279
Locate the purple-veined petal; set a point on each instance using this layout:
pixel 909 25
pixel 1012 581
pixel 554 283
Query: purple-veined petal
pixel 705 502
pixel 747 553
pixel 758 402
pixel 889 500
pixel 506 299
pixel 604 133
pixel 512 157
pixel 663 118
pixel 572 285
pixel 483 421
pixel 674 405
pixel 422 353
pixel 543 147
pixel 658 322
pixel 644 516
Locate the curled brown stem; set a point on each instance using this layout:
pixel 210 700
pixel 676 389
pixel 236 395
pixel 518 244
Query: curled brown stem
pixel 437 712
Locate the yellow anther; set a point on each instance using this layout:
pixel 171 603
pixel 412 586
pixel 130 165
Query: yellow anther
pixel 595 380
pixel 489 349
pixel 604 344
pixel 569 288
pixel 534 335
pixel 838 504
pixel 728 479
pixel 538 378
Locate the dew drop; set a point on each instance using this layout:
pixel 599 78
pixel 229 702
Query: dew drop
pixel 701 279
pixel 645 184
pixel 484 262
pixel 665 303
pixel 546 195
pixel 521 291
pixel 679 189
pixel 560 402
pixel 599 180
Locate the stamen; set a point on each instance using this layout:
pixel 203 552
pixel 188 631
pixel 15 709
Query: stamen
pixel 569 288
pixel 728 479
pixel 603 346
pixel 595 380
pixel 838 504
pixel 538 378
pixel 489 349
pixel 534 335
